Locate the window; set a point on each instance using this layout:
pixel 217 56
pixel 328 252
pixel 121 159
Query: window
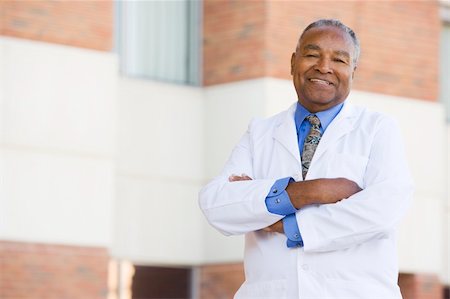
pixel 160 282
pixel 160 40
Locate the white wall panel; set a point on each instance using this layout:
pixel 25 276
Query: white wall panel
pixel 424 130
pixel 57 143
pixel 423 225
pixel 228 111
pixel 55 198
pixel 159 172
pixel 220 248
pixel 446 237
pixel 58 97
pixel 2 90
pixel 160 130
pixel 158 222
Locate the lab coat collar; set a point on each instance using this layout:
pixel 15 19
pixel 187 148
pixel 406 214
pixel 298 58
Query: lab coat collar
pixel 286 132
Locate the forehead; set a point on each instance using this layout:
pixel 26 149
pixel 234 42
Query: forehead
pixel 328 38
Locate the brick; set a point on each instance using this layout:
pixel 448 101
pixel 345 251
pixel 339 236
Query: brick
pixel 31 270
pixel 220 281
pixel 86 24
pixel 420 286
pixel 399 41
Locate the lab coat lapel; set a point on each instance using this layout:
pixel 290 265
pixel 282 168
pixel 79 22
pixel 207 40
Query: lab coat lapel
pixel 341 125
pixel 286 133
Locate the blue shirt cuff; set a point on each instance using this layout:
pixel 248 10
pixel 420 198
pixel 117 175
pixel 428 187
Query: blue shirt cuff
pixel 292 232
pixel 278 201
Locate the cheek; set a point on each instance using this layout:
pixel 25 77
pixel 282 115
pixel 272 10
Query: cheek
pixel 300 76
pixel 346 79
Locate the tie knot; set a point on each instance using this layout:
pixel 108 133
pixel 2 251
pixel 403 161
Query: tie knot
pixel 313 120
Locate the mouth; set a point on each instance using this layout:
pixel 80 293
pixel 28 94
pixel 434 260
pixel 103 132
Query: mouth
pixel 320 81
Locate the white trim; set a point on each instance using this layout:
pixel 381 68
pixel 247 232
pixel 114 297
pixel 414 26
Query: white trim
pixel 54 151
pixel 445 11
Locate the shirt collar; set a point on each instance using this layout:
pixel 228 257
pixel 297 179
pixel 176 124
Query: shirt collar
pixel 325 117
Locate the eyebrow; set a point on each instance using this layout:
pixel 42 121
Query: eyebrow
pixel 317 48
pixel 342 53
pixel 311 47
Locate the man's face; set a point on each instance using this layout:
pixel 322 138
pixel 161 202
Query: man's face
pixel 322 68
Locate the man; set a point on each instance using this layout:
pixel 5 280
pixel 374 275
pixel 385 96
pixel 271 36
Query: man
pixel 323 185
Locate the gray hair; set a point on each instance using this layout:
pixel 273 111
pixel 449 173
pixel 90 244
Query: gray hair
pixel 337 24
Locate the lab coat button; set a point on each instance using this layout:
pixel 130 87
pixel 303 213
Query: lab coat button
pixel 275 191
pixel 296 236
pixel 277 200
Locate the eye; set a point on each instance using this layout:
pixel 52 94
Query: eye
pixel 311 55
pixel 339 60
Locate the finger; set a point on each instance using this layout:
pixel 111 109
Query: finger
pixel 233 178
pixel 245 177
pixel 236 178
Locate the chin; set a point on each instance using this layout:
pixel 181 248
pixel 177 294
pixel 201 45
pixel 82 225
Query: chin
pixel 322 102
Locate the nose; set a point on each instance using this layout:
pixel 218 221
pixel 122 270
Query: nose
pixel 323 65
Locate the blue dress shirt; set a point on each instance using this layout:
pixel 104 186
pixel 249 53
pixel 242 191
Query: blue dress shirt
pixel 278 201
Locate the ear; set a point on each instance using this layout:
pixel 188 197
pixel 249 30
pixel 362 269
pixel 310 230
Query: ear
pixel 292 63
pixel 353 73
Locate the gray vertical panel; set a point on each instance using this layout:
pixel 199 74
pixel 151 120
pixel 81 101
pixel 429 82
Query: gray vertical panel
pixel 169 26
pixel 445 69
pixel 177 40
pixel 184 42
pixel 150 54
pixel 130 36
pixel 160 39
pixel 161 42
pixel 194 42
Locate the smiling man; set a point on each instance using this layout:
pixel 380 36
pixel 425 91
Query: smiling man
pixel 323 66
pixel 321 187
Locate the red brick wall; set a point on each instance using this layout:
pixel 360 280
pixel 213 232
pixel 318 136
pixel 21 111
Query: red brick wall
pixel 400 41
pixel 420 286
pixel 30 271
pixel 233 43
pixel 401 48
pixel 220 281
pixel 86 24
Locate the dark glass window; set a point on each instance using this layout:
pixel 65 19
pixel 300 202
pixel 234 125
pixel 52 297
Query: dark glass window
pixel 161 283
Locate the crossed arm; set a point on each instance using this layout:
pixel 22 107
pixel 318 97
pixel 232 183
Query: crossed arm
pixel 327 221
pixel 303 193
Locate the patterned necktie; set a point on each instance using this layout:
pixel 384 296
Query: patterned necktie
pixel 311 142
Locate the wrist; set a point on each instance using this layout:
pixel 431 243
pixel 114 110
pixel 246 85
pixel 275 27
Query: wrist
pixel 304 193
pixel 296 193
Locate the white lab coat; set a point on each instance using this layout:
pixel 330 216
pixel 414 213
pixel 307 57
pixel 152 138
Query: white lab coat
pixel 349 247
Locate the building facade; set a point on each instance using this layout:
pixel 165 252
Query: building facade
pixel 102 157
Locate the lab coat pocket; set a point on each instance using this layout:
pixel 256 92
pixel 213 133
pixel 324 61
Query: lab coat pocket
pixel 343 289
pixel 271 289
pixel 352 167
pixel 349 289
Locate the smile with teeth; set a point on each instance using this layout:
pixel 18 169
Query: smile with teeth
pixel 319 81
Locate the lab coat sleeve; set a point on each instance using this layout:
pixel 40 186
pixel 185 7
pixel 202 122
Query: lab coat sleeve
pixel 371 213
pixel 238 207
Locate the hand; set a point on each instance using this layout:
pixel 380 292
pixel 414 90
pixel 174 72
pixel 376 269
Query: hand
pixel 277 227
pixel 237 178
